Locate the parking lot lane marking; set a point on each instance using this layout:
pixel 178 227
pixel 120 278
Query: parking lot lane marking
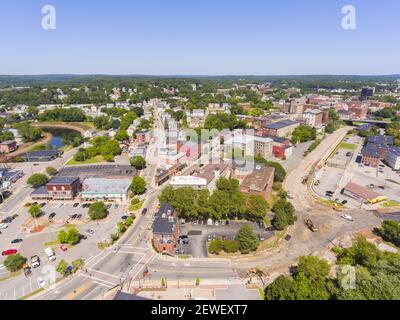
pixel 98 279
pixel 105 273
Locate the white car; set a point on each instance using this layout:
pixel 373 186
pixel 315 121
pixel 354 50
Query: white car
pixel 3 226
pixel 347 217
pixel 41 282
pixel 2 266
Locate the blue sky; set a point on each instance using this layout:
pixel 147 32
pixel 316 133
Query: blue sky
pixel 207 37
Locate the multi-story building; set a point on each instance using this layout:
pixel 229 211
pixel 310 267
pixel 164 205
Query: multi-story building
pixel 63 188
pixel 263 147
pixel 358 110
pixel 259 181
pixel 281 129
pixel 316 118
pixel 393 158
pixel 165 229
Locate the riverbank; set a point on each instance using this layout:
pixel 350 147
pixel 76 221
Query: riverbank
pixel 31 145
pixel 76 126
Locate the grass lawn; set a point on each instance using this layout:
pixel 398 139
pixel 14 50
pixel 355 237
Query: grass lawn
pixel 97 159
pixel 348 146
pixel 89 124
pixel 136 207
pixel 66 148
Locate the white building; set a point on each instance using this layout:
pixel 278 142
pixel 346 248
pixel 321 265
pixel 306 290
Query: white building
pixel 393 158
pixel 115 190
pixel 239 142
pixel 91 133
pixel 188 181
pixel 263 147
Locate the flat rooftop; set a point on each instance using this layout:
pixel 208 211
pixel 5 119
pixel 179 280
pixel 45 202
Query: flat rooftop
pixel 105 186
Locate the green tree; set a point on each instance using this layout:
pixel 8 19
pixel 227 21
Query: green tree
pixel 138 162
pixel 122 135
pixel 247 239
pixel 390 231
pixel 14 262
pixel 256 207
pixel 35 210
pixel 62 237
pixel 73 236
pixel 215 246
pixel 37 180
pixel 121 227
pixel 51 171
pixel 129 221
pixel 303 133
pixel 97 211
pixel 283 288
pixel 138 185
pixel 78 264
pixel 62 267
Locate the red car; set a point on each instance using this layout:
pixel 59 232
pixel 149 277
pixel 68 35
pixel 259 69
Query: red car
pixel 9 252
pixel 63 248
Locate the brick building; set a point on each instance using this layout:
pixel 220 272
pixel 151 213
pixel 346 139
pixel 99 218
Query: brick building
pixel 259 182
pixel 63 188
pixel 165 229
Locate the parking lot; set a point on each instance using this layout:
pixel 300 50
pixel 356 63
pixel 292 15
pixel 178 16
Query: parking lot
pixel 199 234
pixel 331 180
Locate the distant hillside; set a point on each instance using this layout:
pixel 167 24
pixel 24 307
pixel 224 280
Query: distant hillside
pixel 35 80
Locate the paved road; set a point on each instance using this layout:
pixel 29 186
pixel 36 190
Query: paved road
pixel 124 266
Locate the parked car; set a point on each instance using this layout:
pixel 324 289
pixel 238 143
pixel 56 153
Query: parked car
pixel 43 204
pixel 261 237
pixel 7 220
pixel 79 217
pixel 116 206
pixel 3 226
pixel 63 248
pixel 9 252
pixel 144 211
pixel 83 237
pixel 75 205
pixel 52 215
pixel 183 239
pixel 73 217
pixel 16 241
pixel 209 238
pixel 90 232
pixel 41 282
pixel 35 262
pixel 347 217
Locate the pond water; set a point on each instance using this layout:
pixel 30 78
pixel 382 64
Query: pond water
pixel 62 137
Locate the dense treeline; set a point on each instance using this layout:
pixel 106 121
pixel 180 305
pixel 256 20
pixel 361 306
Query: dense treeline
pixel 376 276
pixel 63 114
pixel 226 202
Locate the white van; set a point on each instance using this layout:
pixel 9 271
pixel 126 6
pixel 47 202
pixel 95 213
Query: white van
pixel 50 254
